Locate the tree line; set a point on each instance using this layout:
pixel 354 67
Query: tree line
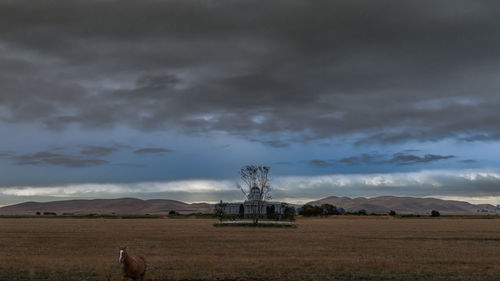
pixel 309 210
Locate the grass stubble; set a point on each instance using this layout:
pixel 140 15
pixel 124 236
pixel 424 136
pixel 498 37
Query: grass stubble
pixel 343 248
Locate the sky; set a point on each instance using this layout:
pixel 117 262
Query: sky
pixel 169 99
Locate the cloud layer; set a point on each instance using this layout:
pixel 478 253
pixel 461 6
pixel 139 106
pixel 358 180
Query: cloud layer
pixel 399 158
pixel 442 184
pixel 56 159
pixel 287 71
pixel 133 91
pixel 152 151
pixel 86 157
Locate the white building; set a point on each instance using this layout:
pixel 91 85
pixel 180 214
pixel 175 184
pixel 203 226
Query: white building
pixel 245 209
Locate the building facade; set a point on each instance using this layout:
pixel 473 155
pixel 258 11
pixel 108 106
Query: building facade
pixel 246 209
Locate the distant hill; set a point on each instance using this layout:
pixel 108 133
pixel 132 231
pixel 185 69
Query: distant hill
pixel 123 206
pixel 106 206
pixel 406 205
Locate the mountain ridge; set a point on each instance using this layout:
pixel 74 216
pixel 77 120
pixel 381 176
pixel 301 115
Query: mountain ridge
pixel 378 205
pixel 106 206
pixel 407 205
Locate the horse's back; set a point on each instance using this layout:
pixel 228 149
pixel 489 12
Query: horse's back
pixel 141 258
pixel 141 262
pixel 136 268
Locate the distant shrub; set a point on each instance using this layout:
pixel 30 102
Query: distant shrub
pixel 220 210
pixel 310 210
pixel 392 213
pixel 173 213
pixel 289 214
pixel 324 210
pixel 203 215
pixel 37 213
pixel 329 209
pixel 49 214
pixel 435 213
pixel 409 216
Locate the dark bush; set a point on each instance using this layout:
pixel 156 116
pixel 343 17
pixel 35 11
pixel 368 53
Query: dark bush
pixel 310 210
pixel 220 210
pixel 329 209
pixel 289 213
pixel 324 210
pixel 435 213
pixel 241 211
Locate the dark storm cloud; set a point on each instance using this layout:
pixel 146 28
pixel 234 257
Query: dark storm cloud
pixel 400 158
pixel 97 150
pixel 157 82
pixel 362 159
pixel 287 70
pixel 480 137
pixel 273 143
pixel 74 163
pixel 152 150
pixel 409 159
pixel 320 163
pixel 57 159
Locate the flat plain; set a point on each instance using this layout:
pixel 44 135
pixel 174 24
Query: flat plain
pixel 335 248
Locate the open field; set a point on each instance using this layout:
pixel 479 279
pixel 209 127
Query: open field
pixel 355 248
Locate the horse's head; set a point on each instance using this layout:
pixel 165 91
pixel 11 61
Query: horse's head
pixel 123 254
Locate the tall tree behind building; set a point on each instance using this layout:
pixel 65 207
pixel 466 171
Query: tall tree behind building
pixel 256 186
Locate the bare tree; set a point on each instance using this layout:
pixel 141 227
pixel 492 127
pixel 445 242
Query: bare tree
pixel 220 210
pixel 256 188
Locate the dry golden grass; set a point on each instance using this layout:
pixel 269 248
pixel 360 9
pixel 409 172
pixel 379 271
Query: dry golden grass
pixel 318 249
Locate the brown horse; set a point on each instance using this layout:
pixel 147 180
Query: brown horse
pixel 134 267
